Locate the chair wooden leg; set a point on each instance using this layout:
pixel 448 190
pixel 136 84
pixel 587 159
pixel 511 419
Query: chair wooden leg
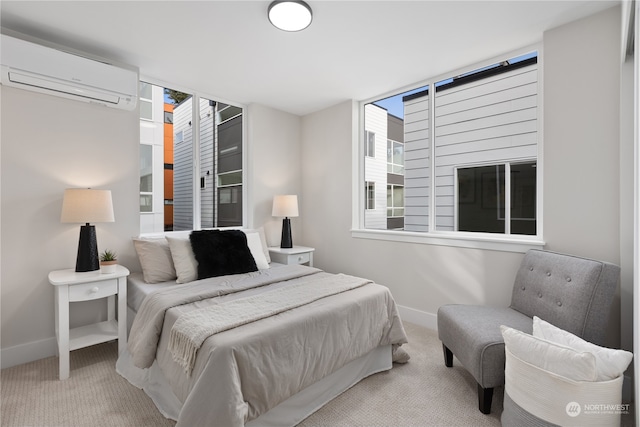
pixel 485 396
pixel 448 356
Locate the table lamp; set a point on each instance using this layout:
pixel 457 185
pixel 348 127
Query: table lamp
pixel 84 205
pixel 285 206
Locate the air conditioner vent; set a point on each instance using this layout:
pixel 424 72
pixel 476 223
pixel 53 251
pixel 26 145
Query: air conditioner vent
pixel 41 69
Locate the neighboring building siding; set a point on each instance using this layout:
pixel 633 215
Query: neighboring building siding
pixel 482 122
pixel 207 166
pixel 395 128
pixel 183 167
pixel 486 121
pixel 225 138
pixel 375 168
pixel 416 162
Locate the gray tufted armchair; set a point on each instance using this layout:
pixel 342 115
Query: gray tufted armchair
pixel 572 293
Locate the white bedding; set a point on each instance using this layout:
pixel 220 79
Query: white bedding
pixel 243 373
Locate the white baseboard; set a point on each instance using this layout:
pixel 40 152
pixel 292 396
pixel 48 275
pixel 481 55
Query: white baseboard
pixel 25 353
pixel 420 318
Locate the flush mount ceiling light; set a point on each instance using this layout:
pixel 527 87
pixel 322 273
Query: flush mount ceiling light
pixel 290 15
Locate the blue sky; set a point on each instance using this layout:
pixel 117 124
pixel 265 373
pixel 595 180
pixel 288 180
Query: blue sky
pixel 394 104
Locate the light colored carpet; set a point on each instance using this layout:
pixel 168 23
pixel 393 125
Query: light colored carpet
pixel 421 393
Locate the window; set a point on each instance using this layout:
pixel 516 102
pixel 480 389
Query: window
pixel 191 141
pixel 467 150
pixel 483 192
pixel 370 144
pixel 229 178
pixel 146 101
pixel 370 195
pixel 395 157
pixel 395 201
pixel 146 178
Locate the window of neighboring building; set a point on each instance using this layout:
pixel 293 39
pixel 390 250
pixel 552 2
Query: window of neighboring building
pixel 369 144
pixel 395 157
pixel 395 201
pixel 146 101
pixel 484 192
pixel 228 112
pixel 192 132
pixel 370 195
pixel 470 149
pixel 146 178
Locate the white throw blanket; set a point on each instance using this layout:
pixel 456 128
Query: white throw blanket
pixel 193 328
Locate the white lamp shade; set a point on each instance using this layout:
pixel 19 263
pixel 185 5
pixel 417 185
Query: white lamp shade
pixel 290 15
pixel 84 205
pixel 285 206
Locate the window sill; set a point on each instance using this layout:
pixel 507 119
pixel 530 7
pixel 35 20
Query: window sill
pixel 484 241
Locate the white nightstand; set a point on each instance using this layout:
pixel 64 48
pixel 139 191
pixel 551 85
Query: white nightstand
pixel 71 287
pixel 295 255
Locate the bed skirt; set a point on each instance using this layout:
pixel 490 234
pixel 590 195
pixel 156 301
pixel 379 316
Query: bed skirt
pixel 288 413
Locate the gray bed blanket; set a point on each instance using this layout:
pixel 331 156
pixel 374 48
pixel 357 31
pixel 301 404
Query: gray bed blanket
pixel 243 372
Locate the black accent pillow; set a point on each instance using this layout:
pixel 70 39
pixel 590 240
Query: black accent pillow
pixel 221 252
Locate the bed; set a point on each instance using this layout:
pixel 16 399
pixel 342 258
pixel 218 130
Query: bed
pixel 278 342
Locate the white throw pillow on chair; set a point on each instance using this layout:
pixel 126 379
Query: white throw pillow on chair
pixel 610 363
pixel 559 359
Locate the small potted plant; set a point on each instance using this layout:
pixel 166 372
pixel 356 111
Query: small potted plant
pixel 108 261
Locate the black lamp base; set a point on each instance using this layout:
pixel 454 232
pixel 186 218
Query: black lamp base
pixel 87 259
pixel 286 242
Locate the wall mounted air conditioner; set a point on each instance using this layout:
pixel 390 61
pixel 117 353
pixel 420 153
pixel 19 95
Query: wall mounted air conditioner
pixel 30 66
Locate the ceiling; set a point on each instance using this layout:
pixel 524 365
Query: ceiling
pixel 229 51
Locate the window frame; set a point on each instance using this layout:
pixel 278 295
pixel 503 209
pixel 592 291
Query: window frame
pixel 195 100
pixel 475 240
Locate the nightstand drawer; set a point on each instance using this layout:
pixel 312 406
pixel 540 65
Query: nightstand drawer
pixel 94 290
pixel 292 256
pixel 300 258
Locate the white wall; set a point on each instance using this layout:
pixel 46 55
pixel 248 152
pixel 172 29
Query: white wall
pixel 273 167
pixel 582 142
pixel 49 144
pixel 581 176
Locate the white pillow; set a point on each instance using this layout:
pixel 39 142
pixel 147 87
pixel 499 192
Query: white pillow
pixel 183 259
pixel 155 259
pixel 610 363
pixel 560 360
pixel 263 241
pixel 255 246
